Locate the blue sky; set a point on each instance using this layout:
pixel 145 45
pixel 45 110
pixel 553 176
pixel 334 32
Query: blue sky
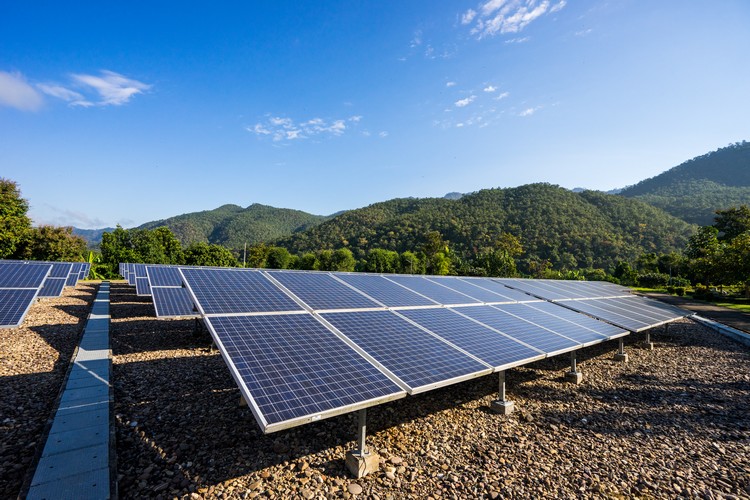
pixel 125 113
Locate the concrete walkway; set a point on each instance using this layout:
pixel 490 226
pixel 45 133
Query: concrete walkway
pixel 730 317
pixel 76 460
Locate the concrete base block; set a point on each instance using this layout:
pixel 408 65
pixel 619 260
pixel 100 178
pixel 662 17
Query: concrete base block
pixel 503 407
pixel 362 464
pixel 649 346
pixel 574 377
pixel 622 357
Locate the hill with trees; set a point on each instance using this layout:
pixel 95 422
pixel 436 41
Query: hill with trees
pixel 556 228
pixel 232 226
pixel 696 189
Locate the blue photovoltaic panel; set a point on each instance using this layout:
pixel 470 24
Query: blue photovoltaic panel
pixel 466 287
pixel 52 287
pixel 500 289
pixel 545 319
pixel 432 290
pixel 605 329
pixel 226 291
pixel 131 274
pixel 164 276
pixel 172 302
pixel 557 290
pixel 59 269
pixel 540 288
pixel 140 270
pixel 632 313
pixel 75 274
pixel 384 291
pixel 322 291
pixel 505 317
pixel 650 307
pixel 295 368
pixel 413 355
pixel 13 306
pixel 84 271
pixel 19 275
pixel 488 345
pixel 141 286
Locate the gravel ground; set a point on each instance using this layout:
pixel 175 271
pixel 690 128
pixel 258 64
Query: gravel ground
pixel 672 422
pixel 33 362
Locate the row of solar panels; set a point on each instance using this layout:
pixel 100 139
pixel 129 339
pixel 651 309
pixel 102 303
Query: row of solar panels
pixel 306 345
pixel 23 281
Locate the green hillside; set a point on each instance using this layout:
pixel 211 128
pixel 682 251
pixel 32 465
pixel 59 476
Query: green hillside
pixel 570 230
pixel 694 190
pixel 233 226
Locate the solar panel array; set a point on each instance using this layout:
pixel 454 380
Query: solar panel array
pixel 305 345
pixel 20 283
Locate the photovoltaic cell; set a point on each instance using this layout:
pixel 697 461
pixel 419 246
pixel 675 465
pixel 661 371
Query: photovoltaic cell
pixel 85 269
pixel 131 274
pixel 507 318
pixel 632 313
pixel 227 291
pixel 384 291
pixel 322 291
pixel 294 368
pixel 14 304
pixel 52 287
pixel 488 345
pixel 432 290
pixel 605 329
pixel 470 288
pixel 417 358
pixel 500 289
pixel 141 286
pixel 557 290
pixel 164 276
pixel 172 302
pixel 559 326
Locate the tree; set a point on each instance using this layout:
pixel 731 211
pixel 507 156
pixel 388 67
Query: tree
pixel 411 263
pixel 382 261
pixel 117 247
pixel 204 254
pixel 308 261
pixel 343 260
pixel 53 243
pixel 278 258
pixel 14 223
pixel 732 222
pixel 170 246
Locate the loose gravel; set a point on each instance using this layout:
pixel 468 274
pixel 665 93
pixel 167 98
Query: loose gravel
pixel 670 423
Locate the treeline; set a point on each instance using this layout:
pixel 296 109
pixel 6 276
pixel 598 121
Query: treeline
pixel 19 240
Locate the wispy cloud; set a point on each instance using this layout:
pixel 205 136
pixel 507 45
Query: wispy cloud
pixel 56 216
pixel 502 95
pixel 462 103
pixel 16 92
pixel 106 89
pixel 285 129
pixel 450 84
pixel 520 39
pixel 583 32
pixel 500 17
pixel 489 88
pixel 529 111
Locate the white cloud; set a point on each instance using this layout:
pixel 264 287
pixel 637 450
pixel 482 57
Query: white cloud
pixel 60 92
pixel 522 39
pixel 529 111
pixel 113 88
pixel 506 16
pixel 583 32
pixel 285 129
pixel 15 92
pixel 383 134
pixel 465 102
pixel 502 96
pixel 417 40
pixel 489 88
pixel 450 84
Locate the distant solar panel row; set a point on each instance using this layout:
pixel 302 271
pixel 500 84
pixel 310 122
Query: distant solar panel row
pixel 19 286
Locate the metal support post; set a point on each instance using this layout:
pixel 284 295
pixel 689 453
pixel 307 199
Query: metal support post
pixel 648 344
pixel 363 431
pixel 573 376
pixel 361 462
pixel 501 405
pixel 621 355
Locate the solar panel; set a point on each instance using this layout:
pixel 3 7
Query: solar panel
pixel 21 275
pixel 508 319
pixel 75 274
pixel 432 290
pixel 510 294
pixel 164 276
pixel 292 370
pixel 85 270
pixel 632 313
pixel 52 287
pixel 384 291
pixel 172 302
pixel 322 291
pixel 419 359
pixel 559 326
pixel 493 348
pixel 14 304
pixel 557 290
pixel 471 288
pixel 226 291
pixel 141 286
pixel 607 330
pixel 131 274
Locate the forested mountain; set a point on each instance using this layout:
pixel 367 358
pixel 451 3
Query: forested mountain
pixel 233 226
pixel 694 190
pixel 570 230
pixel 92 236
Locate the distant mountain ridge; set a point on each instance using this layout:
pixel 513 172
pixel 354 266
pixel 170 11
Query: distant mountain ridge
pixel 695 189
pixel 233 226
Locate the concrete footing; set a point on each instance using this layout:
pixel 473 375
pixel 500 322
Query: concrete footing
pixel 649 346
pixel 503 407
pixel 622 357
pixel 360 464
pixel 574 377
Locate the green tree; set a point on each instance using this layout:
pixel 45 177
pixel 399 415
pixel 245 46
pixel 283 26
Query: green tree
pixel 382 261
pixel 14 223
pixel 53 243
pixel 343 260
pixel 411 263
pixel 203 254
pixel 324 260
pixel 278 258
pixel 257 255
pixel 732 222
pixel 308 261
pixel 117 247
